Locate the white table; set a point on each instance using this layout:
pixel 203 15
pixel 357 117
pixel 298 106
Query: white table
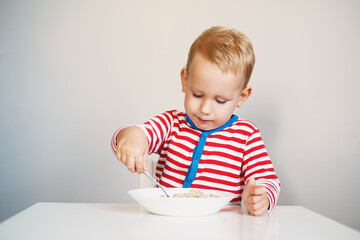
pixel 129 221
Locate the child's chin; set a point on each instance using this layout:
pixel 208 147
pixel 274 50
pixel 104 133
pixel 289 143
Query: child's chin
pixel 205 127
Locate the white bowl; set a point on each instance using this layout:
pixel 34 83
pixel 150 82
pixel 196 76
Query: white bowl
pixel 153 200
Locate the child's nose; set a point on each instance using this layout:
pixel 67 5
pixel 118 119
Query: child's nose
pixel 205 107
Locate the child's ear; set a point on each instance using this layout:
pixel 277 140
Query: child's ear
pixel 183 79
pixel 245 94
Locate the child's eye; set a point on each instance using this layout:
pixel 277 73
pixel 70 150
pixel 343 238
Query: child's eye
pixel 220 101
pixel 197 95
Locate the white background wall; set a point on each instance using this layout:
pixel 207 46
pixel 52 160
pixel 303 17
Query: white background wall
pixel 71 72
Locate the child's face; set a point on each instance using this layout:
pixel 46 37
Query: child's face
pixel 211 95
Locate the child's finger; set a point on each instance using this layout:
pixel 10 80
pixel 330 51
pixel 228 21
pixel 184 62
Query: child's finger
pixel 118 155
pixel 139 163
pixel 252 199
pixel 259 211
pixel 258 208
pixel 258 190
pixel 130 163
pixel 122 159
pixel 145 161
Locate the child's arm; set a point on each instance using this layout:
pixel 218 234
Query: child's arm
pixel 132 144
pixel 132 148
pixel 262 196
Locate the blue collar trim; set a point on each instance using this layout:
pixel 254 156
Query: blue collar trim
pixel 233 119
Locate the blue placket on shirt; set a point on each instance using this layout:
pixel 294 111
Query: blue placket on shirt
pixel 191 174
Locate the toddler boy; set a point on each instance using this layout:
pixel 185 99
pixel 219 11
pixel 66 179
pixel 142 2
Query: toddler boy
pixel 207 146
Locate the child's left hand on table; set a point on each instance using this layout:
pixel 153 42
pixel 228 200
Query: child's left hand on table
pixel 255 198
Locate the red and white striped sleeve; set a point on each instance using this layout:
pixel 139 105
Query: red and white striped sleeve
pixel 257 165
pixel 156 131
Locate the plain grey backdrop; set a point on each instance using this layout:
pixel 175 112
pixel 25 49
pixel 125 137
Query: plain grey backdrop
pixel 72 72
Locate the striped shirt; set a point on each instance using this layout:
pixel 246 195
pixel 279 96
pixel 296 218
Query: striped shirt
pixel 230 156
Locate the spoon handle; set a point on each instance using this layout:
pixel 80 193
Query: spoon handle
pixel 154 181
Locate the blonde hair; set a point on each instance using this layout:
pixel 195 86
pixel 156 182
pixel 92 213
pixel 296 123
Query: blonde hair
pixel 228 48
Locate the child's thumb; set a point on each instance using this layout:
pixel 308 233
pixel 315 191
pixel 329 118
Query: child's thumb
pixel 251 183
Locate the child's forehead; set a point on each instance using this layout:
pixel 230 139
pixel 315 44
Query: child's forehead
pixel 201 63
pixel 204 74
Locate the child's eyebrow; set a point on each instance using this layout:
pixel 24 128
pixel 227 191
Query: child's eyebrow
pixel 194 89
pixel 223 98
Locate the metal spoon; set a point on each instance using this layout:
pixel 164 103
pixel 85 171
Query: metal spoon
pixel 154 181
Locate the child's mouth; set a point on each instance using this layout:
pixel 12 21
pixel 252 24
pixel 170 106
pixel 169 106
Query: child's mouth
pixel 203 120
